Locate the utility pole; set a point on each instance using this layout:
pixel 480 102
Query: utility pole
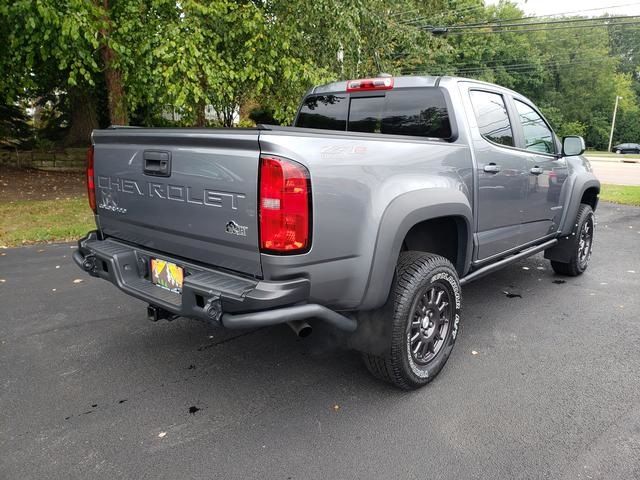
pixel 613 123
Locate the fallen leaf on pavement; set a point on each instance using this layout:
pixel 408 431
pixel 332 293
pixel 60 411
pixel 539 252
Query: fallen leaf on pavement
pixel 512 295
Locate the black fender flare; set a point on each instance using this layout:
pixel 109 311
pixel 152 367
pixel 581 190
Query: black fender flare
pixel 581 184
pixel 399 217
pixel 564 249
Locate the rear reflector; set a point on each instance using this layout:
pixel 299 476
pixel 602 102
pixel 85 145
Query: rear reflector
pixel 284 206
pixel 364 84
pixel 91 186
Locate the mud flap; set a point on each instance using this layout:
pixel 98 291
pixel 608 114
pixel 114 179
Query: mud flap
pixel 561 251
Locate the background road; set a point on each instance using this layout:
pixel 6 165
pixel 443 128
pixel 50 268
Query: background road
pixel 612 170
pixel 90 389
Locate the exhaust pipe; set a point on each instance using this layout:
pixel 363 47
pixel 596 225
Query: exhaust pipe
pixel 301 328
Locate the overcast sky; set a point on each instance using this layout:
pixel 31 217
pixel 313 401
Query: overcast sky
pixel 548 7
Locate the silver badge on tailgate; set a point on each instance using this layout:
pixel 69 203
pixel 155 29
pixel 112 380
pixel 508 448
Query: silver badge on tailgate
pixel 234 229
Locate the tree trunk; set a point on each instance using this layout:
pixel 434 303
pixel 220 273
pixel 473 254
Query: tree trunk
pixel 115 89
pixel 201 120
pixel 84 117
pixel 228 111
pixel 113 78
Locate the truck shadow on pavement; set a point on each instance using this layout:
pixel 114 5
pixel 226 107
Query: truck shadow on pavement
pixel 272 360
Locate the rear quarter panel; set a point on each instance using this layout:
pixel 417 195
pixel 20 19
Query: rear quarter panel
pixel 355 179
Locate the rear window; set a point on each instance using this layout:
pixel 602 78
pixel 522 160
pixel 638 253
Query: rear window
pixel 328 112
pixel 492 116
pixel 417 112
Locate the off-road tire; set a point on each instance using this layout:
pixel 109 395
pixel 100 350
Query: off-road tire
pixel 417 275
pixel 580 256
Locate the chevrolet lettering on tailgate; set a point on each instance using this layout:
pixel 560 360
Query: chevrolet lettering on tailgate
pixel 178 193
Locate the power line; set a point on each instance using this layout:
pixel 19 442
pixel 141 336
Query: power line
pixel 529 66
pixel 519 30
pixel 546 41
pixel 513 19
pixel 517 68
pixel 548 22
pixel 523 71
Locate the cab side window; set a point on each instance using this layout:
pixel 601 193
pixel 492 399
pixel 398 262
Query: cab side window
pixel 537 134
pixel 493 119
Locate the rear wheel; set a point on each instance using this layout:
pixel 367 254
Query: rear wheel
pixel 424 304
pixel 581 246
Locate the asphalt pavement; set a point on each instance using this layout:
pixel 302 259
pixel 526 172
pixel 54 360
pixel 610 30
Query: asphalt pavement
pixel 544 383
pixel 610 170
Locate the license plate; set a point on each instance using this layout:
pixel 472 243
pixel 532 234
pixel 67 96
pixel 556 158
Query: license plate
pixel 167 275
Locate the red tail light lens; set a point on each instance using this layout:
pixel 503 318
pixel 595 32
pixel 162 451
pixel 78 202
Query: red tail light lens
pixel 91 185
pixel 284 206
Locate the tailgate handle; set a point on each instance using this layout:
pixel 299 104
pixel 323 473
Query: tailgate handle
pixel 157 163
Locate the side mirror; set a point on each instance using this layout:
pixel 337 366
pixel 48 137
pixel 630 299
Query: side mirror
pixel 572 145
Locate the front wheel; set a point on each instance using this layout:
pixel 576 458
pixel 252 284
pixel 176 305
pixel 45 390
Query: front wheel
pixel 581 244
pixel 424 304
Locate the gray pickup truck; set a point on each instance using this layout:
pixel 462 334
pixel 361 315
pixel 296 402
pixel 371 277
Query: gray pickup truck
pixel 386 197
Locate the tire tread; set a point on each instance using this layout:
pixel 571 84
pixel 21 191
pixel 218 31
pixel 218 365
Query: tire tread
pixel 411 267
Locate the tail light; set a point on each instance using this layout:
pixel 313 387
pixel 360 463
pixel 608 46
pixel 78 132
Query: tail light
pixel 284 206
pixel 91 185
pixel 384 83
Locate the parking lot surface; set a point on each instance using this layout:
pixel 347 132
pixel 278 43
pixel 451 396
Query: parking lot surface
pixel 616 172
pixel 543 383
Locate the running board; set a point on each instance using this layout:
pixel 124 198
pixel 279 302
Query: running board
pixel 506 261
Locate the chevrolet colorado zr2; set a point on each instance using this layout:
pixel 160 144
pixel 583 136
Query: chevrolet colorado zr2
pixel 370 213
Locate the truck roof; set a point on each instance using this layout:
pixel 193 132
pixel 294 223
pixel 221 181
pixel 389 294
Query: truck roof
pixel 408 81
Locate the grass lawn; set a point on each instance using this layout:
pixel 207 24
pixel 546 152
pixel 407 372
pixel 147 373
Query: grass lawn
pixel 626 156
pixel 620 194
pixel 31 221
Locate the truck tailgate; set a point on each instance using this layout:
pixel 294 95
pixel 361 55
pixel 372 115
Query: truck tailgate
pixel 190 193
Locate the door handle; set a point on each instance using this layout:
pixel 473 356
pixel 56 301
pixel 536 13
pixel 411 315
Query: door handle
pixel 157 163
pixel 491 168
pixel 536 170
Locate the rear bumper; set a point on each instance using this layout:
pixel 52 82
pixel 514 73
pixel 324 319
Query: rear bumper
pixel 231 300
